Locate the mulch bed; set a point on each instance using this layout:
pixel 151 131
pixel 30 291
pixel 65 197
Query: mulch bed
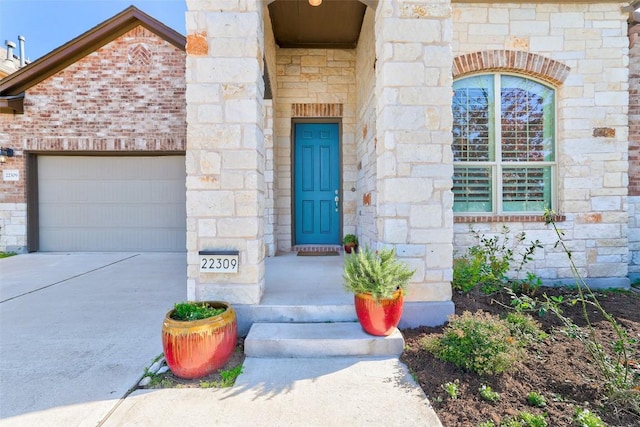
pixel 559 368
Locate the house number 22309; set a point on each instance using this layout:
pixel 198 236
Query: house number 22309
pixel 219 264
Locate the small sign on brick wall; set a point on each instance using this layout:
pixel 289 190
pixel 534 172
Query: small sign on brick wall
pixel 11 175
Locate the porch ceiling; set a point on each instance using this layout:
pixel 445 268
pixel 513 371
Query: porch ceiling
pixel 335 24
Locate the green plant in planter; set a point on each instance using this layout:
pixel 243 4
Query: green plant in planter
pixel 377 273
pixel 350 241
pixel 189 311
pixel 199 337
pixel 378 281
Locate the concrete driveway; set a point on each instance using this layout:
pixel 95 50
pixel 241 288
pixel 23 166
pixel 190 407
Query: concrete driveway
pixel 77 330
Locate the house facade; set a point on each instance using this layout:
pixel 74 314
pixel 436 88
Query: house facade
pixel 441 116
pixel 98 129
pixel 634 149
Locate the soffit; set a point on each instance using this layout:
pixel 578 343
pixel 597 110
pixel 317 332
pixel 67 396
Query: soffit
pixel 540 1
pixel 334 24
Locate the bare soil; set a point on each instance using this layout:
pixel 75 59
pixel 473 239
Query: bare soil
pixel 560 368
pixel 213 380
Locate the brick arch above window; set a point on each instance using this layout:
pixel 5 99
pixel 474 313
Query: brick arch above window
pixel 531 64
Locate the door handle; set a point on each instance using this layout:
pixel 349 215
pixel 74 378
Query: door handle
pixel 337 200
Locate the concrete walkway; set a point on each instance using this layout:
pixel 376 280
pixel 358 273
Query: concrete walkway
pixel 330 392
pixel 77 330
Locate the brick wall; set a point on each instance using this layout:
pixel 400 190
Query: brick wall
pixel 128 96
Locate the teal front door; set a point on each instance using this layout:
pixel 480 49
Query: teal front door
pixel 317 184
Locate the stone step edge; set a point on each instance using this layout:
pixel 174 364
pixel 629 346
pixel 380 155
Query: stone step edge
pixel 333 339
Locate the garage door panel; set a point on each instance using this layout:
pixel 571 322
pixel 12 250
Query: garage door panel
pixel 112 203
pixel 159 239
pixel 62 191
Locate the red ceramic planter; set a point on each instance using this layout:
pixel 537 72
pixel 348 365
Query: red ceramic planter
pixel 379 317
pixel 197 348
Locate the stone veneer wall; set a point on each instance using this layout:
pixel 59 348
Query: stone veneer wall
pixel 591 39
pixel 413 149
pixel 269 181
pixel 366 135
pixel 127 96
pixel 270 215
pixel 634 152
pixel 320 80
pixel 225 146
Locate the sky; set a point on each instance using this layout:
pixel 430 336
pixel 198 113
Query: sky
pixel 48 24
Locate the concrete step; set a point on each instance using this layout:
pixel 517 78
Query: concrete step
pixel 303 313
pixel 342 339
pixel 250 314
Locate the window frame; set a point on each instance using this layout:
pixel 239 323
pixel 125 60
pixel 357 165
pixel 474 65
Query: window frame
pixel 497 166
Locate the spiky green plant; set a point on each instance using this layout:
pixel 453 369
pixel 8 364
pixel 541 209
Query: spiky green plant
pixel 378 273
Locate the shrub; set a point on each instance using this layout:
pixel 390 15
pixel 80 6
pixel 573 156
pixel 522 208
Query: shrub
pixel 524 328
pixel 478 342
pixel 467 273
pixel 488 262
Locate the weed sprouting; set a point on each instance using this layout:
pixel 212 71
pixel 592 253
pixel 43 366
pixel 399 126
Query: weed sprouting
pixel 452 389
pixel 536 399
pixel 525 419
pixel 586 418
pixel 229 376
pixel 488 394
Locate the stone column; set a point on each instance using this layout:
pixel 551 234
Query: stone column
pixel 413 148
pixel 225 146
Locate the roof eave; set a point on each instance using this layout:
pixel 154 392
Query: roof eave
pixel 85 44
pixel 12 104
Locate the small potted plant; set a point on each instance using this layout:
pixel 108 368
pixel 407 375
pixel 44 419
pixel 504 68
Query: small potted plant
pixel 350 242
pixel 199 337
pixel 378 281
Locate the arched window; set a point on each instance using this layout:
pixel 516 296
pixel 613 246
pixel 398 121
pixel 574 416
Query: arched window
pixel 503 145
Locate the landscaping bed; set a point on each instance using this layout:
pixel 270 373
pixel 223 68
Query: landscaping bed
pixel 559 367
pixel 161 377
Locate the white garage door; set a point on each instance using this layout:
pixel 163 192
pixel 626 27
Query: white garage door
pixel 112 203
